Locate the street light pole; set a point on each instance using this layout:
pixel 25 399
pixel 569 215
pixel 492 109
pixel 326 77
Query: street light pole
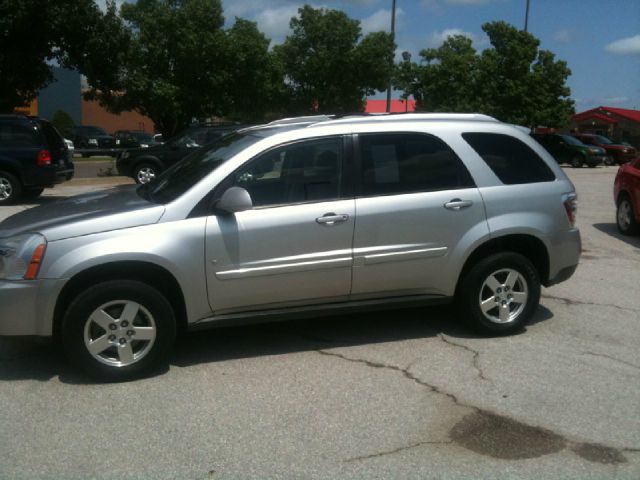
pixel 393 37
pixel 526 18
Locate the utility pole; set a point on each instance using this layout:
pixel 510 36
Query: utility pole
pixel 393 37
pixel 526 18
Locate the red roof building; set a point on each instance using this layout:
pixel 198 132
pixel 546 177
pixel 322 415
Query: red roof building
pixel 619 124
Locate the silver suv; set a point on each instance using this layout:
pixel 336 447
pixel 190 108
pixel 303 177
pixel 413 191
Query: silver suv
pixel 313 214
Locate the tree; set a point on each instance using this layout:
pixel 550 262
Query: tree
pixel 513 80
pixel 327 64
pixel 254 85
pixel 36 33
pixel 173 66
pixel 62 121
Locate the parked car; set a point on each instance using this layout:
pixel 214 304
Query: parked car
pixel 70 146
pixel 309 218
pixel 568 149
pixel 617 153
pixel 158 138
pixel 33 156
pixel 144 164
pixel 626 194
pixel 134 139
pixel 90 140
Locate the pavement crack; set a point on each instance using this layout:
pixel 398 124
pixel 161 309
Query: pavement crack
pixel 570 302
pixel 397 450
pixel 404 371
pixel 610 358
pixel 476 356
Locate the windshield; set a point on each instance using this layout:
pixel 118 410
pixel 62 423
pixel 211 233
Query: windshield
pixel 91 130
pixel 572 140
pixel 176 180
pixel 142 137
pixel 602 140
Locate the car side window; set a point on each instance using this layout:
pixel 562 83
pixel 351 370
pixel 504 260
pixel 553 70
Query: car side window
pixel 302 172
pixel 512 161
pixel 397 163
pixel 12 135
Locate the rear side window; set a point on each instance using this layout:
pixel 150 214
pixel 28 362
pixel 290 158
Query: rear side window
pixel 51 134
pixel 397 163
pixel 14 135
pixel 511 160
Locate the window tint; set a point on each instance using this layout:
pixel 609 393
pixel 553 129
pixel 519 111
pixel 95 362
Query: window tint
pixel 308 171
pixel 396 163
pixel 16 136
pixel 54 140
pixel 512 161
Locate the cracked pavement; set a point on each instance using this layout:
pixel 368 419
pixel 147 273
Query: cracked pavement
pixel 396 394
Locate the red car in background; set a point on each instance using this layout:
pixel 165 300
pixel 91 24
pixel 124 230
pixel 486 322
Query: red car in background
pixel 626 193
pixel 618 153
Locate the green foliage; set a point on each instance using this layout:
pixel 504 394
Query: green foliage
pixel 62 121
pixel 328 66
pixel 513 80
pixel 35 32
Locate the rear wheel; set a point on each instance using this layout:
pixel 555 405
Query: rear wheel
pixel 625 217
pixel 118 330
pixel 577 161
pixel 10 188
pixel 500 293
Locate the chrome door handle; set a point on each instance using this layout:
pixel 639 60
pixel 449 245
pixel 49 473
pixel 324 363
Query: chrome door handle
pixel 457 204
pixel 332 218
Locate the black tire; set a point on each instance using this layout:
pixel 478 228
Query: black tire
pixel 577 161
pixel 10 188
pixel 150 315
pixel 609 161
pixel 31 193
pixel 625 216
pixel 145 172
pixel 474 292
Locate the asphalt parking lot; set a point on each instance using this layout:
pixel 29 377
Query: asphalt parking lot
pixel 398 394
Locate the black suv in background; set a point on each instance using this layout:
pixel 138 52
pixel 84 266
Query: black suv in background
pixel 33 156
pixel 568 149
pixel 143 164
pixel 89 140
pixel 134 139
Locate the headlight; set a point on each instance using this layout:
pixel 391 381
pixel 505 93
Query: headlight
pixel 144 145
pixel 21 256
pixel 93 141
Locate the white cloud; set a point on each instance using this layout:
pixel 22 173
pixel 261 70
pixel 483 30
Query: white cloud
pixel 625 46
pixel 381 20
pixel 438 38
pixel 563 36
pixel 274 22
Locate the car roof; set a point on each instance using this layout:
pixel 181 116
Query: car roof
pixel 295 123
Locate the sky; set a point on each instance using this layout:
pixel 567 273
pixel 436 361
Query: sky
pixel 599 39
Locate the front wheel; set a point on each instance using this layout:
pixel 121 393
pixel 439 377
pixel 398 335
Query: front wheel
pixel 500 293
pixel 145 172
pixel 118 330
pixel 625 217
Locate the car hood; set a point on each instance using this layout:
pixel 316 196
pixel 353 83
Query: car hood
pixel 112 209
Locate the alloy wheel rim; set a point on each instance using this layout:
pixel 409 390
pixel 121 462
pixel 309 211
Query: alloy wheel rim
pixel 119 333
pixel 503 296
pixel 624 214
pixel 146 174
pixel 5 188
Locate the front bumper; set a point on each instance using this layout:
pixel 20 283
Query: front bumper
pixel 26 307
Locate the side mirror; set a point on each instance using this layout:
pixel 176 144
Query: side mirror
pixel 234 199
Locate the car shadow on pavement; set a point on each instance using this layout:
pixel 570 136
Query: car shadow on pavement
pixel 31 360
pixel 611 229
